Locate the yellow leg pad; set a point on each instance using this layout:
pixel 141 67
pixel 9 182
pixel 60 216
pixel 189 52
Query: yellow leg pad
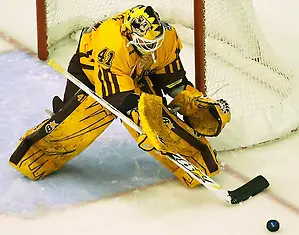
pixel 207 164
pixel 49 146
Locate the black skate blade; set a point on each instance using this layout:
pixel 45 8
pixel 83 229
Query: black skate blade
pixel 250 189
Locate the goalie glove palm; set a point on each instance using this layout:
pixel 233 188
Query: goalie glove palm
pixel 205 115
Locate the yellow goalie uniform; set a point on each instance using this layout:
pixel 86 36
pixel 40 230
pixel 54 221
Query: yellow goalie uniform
pixel 128 60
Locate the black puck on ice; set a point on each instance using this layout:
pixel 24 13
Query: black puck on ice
pixel 272 225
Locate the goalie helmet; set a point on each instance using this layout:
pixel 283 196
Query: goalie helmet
pixel 145 28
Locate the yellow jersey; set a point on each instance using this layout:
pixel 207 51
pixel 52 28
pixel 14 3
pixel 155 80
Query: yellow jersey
pixel 109 61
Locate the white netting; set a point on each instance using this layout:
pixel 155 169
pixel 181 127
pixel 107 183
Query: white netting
pixel 72 15
pixel 241 66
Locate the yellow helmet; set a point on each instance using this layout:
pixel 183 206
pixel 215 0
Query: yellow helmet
pixel 144 27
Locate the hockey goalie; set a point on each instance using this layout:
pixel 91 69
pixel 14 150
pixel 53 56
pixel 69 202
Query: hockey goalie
pixel 133 61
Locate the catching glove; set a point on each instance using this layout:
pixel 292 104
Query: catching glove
pixel 205 115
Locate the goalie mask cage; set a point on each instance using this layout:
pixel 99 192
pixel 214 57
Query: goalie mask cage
pixel 232 58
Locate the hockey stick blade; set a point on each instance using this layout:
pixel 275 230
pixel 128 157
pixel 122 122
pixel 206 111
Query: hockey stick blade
pixel 250 189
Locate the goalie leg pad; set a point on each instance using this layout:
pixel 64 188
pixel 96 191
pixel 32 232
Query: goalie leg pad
pixel 167 134
pixel 144 144
pixel 49 146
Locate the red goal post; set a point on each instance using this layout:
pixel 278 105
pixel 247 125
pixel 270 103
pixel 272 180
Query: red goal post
pixel 41 21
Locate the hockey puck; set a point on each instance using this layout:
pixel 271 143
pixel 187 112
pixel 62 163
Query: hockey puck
pixel 273 225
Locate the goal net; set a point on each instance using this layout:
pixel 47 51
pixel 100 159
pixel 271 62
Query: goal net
pixel 240 65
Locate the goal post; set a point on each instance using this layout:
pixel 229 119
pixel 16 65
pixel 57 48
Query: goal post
pixel 199 46
pixel 41 23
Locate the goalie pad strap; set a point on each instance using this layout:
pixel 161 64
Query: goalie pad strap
pixel 193 141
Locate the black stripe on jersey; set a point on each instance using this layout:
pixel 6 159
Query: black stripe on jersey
pixel 107 81
pixel 115 82
pixel 167 69
pixel 102 83
pixel 177 51
pixel 175 66
pixel 104 77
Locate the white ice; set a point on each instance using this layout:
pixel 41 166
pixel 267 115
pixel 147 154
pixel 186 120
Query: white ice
pixel 166 208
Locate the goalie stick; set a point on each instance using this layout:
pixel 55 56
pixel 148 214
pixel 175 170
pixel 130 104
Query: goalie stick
pixel 249 189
